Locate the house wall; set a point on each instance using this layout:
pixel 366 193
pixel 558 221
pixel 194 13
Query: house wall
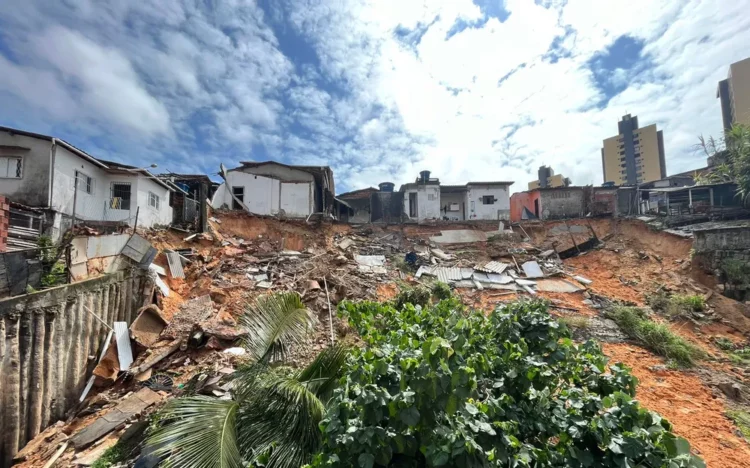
pixel 561 203
pixel 296 199
pixel 33 188
pixel 287 174
pixel 428 201
pixel 520 200
pixel 149 216
pixel 453 197
pixel 261 193
pixel 500 209
pixel 361 208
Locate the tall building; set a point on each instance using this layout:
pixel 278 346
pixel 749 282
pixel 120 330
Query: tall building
pixel 635 156
pixel 734 94
pixel 548 178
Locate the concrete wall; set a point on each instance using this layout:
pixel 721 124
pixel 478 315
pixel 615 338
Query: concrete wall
pixel 428 201
pixel 4 223
pixel 650 160
pixel 361 208
pixel 739 84
pixel 288 174
pixel 296 199
pixel 149 215
pixel 267 195
pixel 446 199
pixel 521 200
pixel 476 209
pixel 47 338
pixel 714 245
pixel 559 203
pixel 33 188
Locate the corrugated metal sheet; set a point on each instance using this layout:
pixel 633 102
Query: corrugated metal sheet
pixel 492 267
pixel 532 270
pixel 175 264
pixel 466 273
pixel 423 270
pixel 446 274
pixel 499 279
pixel 140 250
pixel 105 246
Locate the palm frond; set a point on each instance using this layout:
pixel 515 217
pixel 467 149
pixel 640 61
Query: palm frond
pixel 322 375
pixel 198 432
pixel 279 415
pixel 274 323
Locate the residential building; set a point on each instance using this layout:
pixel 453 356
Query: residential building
pixel 734 94
pixel 548 178
pixel 359 203
pixel 635 155
pixel 427 199
pixel 272 188
pixel 41 171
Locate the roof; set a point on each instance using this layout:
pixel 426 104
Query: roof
pixel 496 182
pixel 361 193
pixel 115 167
pixel 302 168
pixel 690 187
pixel 62 143
pixel 453 188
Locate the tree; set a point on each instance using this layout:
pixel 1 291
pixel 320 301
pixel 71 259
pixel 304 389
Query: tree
pixel 273 417
pixel 731 160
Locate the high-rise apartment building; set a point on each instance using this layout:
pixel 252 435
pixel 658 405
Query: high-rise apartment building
pixel 635 155
pixel 548 179
pixel 734 94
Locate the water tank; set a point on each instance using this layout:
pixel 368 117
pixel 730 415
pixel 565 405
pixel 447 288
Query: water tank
pixel 424 176
pixel 386 186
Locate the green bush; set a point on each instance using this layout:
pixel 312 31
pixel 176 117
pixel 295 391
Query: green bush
pixel 441 291
pixel 443 386
pixel 419 295
pixel 575 322
pixel 736 272
pixel 676 305
pixel 657 337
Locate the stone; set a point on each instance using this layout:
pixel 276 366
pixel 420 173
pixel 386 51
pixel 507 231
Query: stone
pixel 731 390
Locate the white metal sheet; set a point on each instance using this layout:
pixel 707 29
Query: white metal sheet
pixel 105 246
pixel 124 353
pixel 532 269
pixel 175 264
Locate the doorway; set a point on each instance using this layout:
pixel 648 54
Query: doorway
pixel 412 205
pixel 536 208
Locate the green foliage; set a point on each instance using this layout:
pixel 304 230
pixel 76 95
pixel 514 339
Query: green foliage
pixel 273 419
pixel 724 344
pixel 419 295
pixel 111 456
pixel 736 273
pixel 676 305
pixel 443 386
pixel 56 275
pixel 657 337
pixel 742 421
pixel 731 160
pixel 47 250
pixel 441 291
pixel 575 322
pixel 274 323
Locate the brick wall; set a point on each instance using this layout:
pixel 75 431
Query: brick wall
pixel 4 220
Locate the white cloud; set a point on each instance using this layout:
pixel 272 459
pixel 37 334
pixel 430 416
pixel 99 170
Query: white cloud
pixel 484 103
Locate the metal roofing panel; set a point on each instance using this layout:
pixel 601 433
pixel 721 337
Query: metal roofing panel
pixel 175 264
pixel 481 277
pixel 499 279
pixel 423 270
pixel 492 267
pixel 124 353
pixel 532 270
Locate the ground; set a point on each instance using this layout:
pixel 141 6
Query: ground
pixel 630 264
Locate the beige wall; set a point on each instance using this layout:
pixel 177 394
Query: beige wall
pixel 556 180
pixel 533 185
pixel 739 85
pixel 650 166
pixel 612 168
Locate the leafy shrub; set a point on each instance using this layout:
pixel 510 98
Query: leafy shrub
pixel 736 273
pixel 443 386
pixel 742 421
pixel 416 296
pixel 724 344
pixel 655 336
pixel 441 291
pixel 676 305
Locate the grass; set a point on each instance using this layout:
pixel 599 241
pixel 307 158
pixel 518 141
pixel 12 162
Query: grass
pixel 657 337
pixel 742 421
pixel 575 322
pixel 676 305
pixel 111 456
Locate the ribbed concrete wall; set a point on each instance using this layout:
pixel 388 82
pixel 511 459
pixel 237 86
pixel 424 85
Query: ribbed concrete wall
pixel 49 343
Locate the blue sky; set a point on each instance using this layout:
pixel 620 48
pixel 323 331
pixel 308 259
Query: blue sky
pixel 379 90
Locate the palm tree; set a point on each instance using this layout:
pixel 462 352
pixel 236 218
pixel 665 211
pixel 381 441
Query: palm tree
pixel 730 160
pixel 273 417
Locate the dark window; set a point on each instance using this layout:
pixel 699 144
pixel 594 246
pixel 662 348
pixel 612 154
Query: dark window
pixel 85 183
pixel 488 200
pixel 238 192
pixel 120 199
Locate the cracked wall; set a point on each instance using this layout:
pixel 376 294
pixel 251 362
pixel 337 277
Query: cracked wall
pixel 49 343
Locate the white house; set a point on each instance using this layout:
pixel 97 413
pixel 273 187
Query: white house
pixel 43 171
pixel 425 198
pixel 272 188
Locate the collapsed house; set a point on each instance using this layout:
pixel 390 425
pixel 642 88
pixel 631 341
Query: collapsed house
pixel 272 188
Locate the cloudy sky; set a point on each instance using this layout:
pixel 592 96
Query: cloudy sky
pixel 379 90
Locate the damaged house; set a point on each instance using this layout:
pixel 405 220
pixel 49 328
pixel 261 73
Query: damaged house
pixel 51 175
pixel 272 188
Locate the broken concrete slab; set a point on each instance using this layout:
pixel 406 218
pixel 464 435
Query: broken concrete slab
pixel 122 338
pixel 557 285
pixel 440 254
pixel 532 269
pixel 459 236
pixel 147 327
pixel 126 409
pixel 582 280
pixel 345 243
pixel 191 313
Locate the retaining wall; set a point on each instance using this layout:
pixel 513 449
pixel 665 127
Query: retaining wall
pixel 49 343
pixel 712 246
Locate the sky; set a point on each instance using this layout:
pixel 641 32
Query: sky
pixel 472 90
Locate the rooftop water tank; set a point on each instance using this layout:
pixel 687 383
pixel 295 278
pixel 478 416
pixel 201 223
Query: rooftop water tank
pixel 386 186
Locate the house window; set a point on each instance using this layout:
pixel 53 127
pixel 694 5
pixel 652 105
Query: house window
pixel 84 183
pixel 488 200
pixel 11 167
pixel 120 199
pixel 239 193
pixel 153 200
pixel 431 197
